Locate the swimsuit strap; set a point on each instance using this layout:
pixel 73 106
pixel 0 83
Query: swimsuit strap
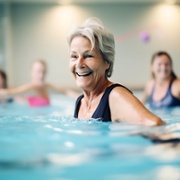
pixel 168 90
pixel 167 101
pixel 102 111
pixel 170 85
pixel 77 106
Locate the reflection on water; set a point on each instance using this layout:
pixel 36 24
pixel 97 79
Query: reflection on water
pixel 47 143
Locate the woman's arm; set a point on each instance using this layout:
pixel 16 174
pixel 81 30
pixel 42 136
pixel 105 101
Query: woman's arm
pixel 16 90
pixel 56 88
pixel 68 92
pixel 176 88
pixel 125 107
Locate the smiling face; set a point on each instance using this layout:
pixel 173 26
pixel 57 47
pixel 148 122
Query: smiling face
pixel 161 67
pixel 38 72
pixel 86 65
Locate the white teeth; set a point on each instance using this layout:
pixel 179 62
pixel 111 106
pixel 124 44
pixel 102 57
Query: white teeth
pixel 83 73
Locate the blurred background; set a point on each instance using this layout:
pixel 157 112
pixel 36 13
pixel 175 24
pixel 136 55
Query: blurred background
pixel 33 29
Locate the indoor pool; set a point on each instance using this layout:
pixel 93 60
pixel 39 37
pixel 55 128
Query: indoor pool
pixel 48 144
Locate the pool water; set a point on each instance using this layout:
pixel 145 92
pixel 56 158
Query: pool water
pixel 47 143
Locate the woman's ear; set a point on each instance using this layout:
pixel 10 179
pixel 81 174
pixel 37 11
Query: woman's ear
pixel 107 65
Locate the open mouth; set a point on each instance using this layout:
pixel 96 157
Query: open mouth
pixel 84 74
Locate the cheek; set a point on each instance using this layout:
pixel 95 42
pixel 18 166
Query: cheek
pixel 155 68
pixel 44 74
pixel 1 82
pixel 33 74
pixel 169 68
pixel 71 66
pixel 103 67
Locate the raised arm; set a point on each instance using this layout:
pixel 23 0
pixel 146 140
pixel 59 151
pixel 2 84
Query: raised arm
pixel 125 107
pixel 16 90
pixel 56 88
pixel 68 92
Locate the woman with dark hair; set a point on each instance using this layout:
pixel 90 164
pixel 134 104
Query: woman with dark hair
pixel 163 90
pixel 3 85
pixel 3 79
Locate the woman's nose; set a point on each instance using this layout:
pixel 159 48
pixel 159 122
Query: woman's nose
pixel 80 62
pixel 164 66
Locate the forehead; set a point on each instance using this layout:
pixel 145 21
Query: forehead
pixel 38 64
pixel 80 42
pixel 163 58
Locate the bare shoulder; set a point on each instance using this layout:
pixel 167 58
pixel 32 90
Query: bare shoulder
pixel 121 94
pixel 125 107
pixel 120 91
pixel 121 98
pixel 149 86
pixel 150 83
pixel 176 82
pixel 176 87
pixel 47 84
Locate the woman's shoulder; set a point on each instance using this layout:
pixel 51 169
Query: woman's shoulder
pixel 47 84
pixel 119 91
pixel 150 83
pixel 149 86
pixel 176 87
pixel 42 85
pixel 176 82
pixel 28 85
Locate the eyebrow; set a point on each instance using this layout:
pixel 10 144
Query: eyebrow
pixel 87 51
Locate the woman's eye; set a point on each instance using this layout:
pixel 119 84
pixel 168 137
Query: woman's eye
pixel 73 56
pixel 88 56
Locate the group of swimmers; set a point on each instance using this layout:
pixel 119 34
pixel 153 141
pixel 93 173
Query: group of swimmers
pixel 92 51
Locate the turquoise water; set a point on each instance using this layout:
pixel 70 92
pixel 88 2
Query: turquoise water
pixel 48 144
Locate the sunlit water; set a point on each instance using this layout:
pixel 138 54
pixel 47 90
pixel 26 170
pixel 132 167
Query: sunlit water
pixel 48 144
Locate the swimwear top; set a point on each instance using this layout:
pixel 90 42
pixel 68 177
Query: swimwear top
pixel 102 112
pixel 35 101
pixel 167 101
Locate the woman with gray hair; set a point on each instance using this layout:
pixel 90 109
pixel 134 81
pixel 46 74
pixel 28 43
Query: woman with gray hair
pixel 92 51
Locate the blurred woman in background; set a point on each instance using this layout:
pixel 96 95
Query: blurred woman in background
pixel 37 89
pixel 163 90
pixel 3 85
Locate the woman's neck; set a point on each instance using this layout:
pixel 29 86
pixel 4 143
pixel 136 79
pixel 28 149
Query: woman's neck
pixel 38 83
pixel 96 91
pixel 163 81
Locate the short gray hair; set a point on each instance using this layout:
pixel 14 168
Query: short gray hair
pixel 94 30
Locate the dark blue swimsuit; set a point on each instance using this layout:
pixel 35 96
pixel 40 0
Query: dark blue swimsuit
pixel 167 101
pixel 102 112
